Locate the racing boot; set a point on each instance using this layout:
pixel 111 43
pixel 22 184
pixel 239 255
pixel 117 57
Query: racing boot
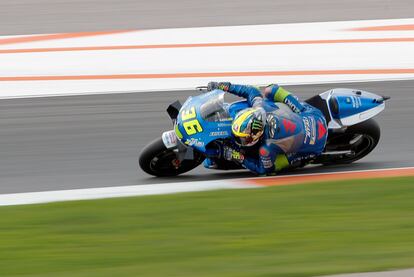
pixel 210 163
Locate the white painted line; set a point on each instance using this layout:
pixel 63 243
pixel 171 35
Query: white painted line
pixel 264 32
pixel 175 60
pixel 112 192
pixel 35 89
pixel 152 189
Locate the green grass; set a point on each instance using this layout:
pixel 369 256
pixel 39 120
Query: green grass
pixel 302 230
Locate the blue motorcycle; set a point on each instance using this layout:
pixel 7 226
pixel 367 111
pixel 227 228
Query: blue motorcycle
pixel 204 122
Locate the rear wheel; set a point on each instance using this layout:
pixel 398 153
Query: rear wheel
pixel 157 160
pixel 359 140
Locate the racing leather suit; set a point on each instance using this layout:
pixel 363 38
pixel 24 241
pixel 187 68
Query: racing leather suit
pixel 290 135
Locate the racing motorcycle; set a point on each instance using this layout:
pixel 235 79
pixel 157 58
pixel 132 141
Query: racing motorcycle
pixel 206 119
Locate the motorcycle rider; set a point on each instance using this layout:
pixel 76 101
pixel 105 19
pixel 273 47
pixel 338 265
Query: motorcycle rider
pixel 283 137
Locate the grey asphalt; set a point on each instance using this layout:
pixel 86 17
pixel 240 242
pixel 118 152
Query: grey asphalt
pixel 46 16
pixel 93 141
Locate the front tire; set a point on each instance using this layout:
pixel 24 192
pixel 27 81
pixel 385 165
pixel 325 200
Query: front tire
pixel 157 160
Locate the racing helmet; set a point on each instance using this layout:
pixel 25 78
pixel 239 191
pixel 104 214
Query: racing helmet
pixel 248 126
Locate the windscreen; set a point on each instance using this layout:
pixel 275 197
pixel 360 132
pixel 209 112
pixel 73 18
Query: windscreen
pixel 214 109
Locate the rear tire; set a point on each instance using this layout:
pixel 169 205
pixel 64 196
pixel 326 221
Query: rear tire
pixel 155 159
pixel 365 137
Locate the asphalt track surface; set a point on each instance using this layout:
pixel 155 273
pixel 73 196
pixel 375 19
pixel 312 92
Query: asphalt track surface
pixel 46 16
pixel 69 142
pixel 93 141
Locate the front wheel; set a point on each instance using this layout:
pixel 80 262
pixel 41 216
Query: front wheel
pixel 157 160
pixel 359 140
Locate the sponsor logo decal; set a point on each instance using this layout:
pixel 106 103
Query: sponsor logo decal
pixel 356 102
pixel 263 151
pixel 271 122
pixel 310 130
pixel 267 162
pixel 194 142
pixel 265 157
pixel 290 127
pixel 292 106
pixel 237 155
pixel 257 125
pixel 219 133
pixel 321 130
pixel 169 138
pixel 295 158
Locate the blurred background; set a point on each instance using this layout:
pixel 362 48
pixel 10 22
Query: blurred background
pixel 94 140
pixel 34 17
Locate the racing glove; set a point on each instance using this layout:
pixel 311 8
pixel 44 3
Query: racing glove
pixel 224 86
pixel 231 154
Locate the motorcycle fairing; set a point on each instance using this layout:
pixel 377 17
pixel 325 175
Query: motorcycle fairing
pixel 348 107
pixel 203 119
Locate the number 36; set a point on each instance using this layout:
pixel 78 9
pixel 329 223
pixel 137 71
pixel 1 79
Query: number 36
pixel 192 126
